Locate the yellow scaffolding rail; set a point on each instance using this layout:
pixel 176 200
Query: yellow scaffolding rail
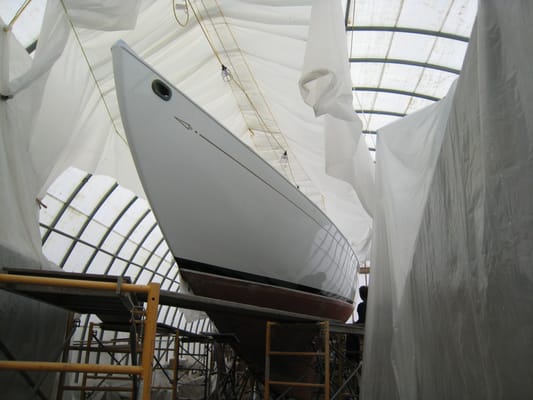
pixel 150 324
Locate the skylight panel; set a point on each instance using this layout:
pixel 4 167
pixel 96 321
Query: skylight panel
pixel 78 257
pixel 365 74
pixel 66 183
pixel 96 188
pixel 71 222
pixel 144 277
pixel 164 266
pixel 416 103
pixel 435 83
pixel 132 216
pixel 408 46
pixel 127 250
pixel 448 52
pixel 114 205
pixel 371 12
pixel 112 241
pixel 48 213
pixel 118 267
pixel 428 14
pixel 402 77
pixel 142 229
pixel 363 100
pixel 369 43
pixel 461 17
pixel 94 232
pixel 55 247
pixel 391 102
pixel 153 240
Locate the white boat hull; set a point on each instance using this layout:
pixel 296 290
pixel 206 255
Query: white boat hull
pixel 225 212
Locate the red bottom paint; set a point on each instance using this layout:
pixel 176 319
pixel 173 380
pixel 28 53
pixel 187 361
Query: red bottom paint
pixel 250 331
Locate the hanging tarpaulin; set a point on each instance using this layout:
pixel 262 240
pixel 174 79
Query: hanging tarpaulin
pixel 325 85
pixel 455 320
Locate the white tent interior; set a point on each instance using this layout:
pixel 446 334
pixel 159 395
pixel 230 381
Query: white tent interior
pixel 444 220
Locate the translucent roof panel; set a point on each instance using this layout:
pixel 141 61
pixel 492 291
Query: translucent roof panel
pixel 448 52
pixel 90 224
pixel 368 43
pixel 370 12
pixel 404 55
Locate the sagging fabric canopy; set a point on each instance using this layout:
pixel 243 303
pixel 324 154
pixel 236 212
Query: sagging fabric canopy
pixel 450 207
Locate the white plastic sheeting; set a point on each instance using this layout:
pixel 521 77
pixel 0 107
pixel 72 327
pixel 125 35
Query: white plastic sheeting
pixel 78 123
pixel 450 298
pixel 31 148
pixel 63 112
pixel 326 86
pixel 23 321
pixel 451 317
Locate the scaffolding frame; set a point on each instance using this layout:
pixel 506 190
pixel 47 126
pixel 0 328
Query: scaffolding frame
pixel 83 293
pixel 118 350
pixel 324 355
pixel 151 291
pixel 339 374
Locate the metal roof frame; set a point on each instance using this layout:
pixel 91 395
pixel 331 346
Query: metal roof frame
pixel 445 35
pixel 395 91
pixel 381 112
pixel 168 277
pixel 388 28
pixel 413 63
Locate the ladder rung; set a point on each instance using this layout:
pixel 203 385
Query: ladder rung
pixel 299 384
pixel 99 388
pixel 296 353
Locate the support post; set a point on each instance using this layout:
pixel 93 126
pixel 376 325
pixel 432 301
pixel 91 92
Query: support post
pixel 326 360
pixel 150 327
pixel 267 360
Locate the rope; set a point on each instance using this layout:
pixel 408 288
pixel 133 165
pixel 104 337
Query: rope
pixel 205 33
pixel 17 15
pixel 93 75
pixel 237 83
pixel 263 123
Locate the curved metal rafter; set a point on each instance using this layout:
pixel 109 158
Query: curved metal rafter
pixel 395 91
pixel 65 207
pixel 435 34
pixel 146 263
pixel 413 63
pixel 445 35
pixel 88 220
pixel 140 246
pixel 125 241
pixel 108 232
pixel 381 112
pixel 78 240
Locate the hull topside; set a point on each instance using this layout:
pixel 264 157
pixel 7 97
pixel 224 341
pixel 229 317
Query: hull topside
pixel 216 201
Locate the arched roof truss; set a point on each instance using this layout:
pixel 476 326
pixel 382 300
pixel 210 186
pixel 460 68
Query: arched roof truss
pixel 404 55
pixel 90 224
